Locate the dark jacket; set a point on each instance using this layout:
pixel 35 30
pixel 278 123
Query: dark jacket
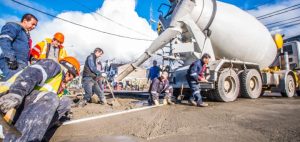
pixel 195 69
pixel 153 72
pixel 15 42
pixel 90 66
pixel 158 86
pixel 34 75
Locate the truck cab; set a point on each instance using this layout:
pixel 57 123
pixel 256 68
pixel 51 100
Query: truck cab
pixel 293 50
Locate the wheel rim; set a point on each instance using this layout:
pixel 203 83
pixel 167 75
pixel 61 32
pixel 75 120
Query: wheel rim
pixel 229 86
pixel 291 87
pixel 253 84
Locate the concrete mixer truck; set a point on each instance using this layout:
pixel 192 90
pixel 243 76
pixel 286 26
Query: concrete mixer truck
pixel 247 59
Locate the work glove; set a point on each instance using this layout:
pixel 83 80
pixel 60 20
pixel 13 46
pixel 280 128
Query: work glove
pixel 9 101
pixel 12 63
pixel 103 75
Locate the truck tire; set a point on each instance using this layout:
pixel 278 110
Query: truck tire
pixel 289 87
pixel 227 87
pixel 251 84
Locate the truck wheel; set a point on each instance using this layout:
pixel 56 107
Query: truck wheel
pixel 289 87
pixel 251 84
pixel 227 86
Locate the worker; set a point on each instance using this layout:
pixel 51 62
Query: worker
pixel 90 75
pixel 35 93
pixel 153 71
pixel 159 86
pixel 195 74
pixel 49 48
pixel 15 44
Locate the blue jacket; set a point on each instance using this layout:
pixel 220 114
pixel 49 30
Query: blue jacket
pixel 14 42
pixel 90 67
pixel 153 72
pixel 195 69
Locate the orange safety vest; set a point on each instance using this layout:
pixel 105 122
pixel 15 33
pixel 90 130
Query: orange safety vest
pixel 39 51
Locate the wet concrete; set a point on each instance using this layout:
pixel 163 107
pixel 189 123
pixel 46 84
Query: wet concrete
pixel 263 119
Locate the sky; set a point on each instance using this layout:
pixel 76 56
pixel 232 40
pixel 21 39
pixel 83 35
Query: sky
pixel 143 7
pixel 132 18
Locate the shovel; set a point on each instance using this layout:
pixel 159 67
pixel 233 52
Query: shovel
pixel 115 101
pixel 5 122
pixel 181 96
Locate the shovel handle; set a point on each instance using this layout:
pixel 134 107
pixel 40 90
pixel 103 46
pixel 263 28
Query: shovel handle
pixel 111 91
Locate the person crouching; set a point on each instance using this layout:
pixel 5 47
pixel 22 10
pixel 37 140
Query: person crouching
pixel 159 86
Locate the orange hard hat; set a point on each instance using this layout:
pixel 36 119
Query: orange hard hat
pixel 59 37
pixel 72 64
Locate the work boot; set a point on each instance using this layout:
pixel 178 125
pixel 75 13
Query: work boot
pixel 103 102
pixel 165 102
pixel 83 103
pixel 156 102
pixel 202 105
pixel 192 102
pixel 170 102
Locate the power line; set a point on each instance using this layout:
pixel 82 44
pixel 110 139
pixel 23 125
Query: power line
pixel 283 21
pixel 284 24
pixel 290 25
pixel 278 13
pixel 77 2
pixel 122 36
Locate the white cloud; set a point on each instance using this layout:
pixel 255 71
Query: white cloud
pixel 8 18
pixel 265 9
pixel 80 42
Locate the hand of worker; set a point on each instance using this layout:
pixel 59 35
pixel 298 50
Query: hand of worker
pixel 203 80
pixel 12 63
pixel 200 79
pixel 9 101
pixel 103 75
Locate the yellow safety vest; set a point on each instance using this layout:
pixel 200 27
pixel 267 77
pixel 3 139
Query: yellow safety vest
pixel 50 85
pixel 43 48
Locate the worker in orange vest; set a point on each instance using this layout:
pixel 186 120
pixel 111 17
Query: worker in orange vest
pixel 49 48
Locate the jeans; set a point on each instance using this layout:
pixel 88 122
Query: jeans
pixel 8 73
pixel 89 85
pixel 194 85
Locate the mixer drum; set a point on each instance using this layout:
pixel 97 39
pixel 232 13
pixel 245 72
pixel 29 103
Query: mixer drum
pixel 235 34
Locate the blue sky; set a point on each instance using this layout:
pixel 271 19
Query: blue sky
pixel 8 8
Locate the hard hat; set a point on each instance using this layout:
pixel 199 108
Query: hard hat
pixel 59 37
pixel 71 64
